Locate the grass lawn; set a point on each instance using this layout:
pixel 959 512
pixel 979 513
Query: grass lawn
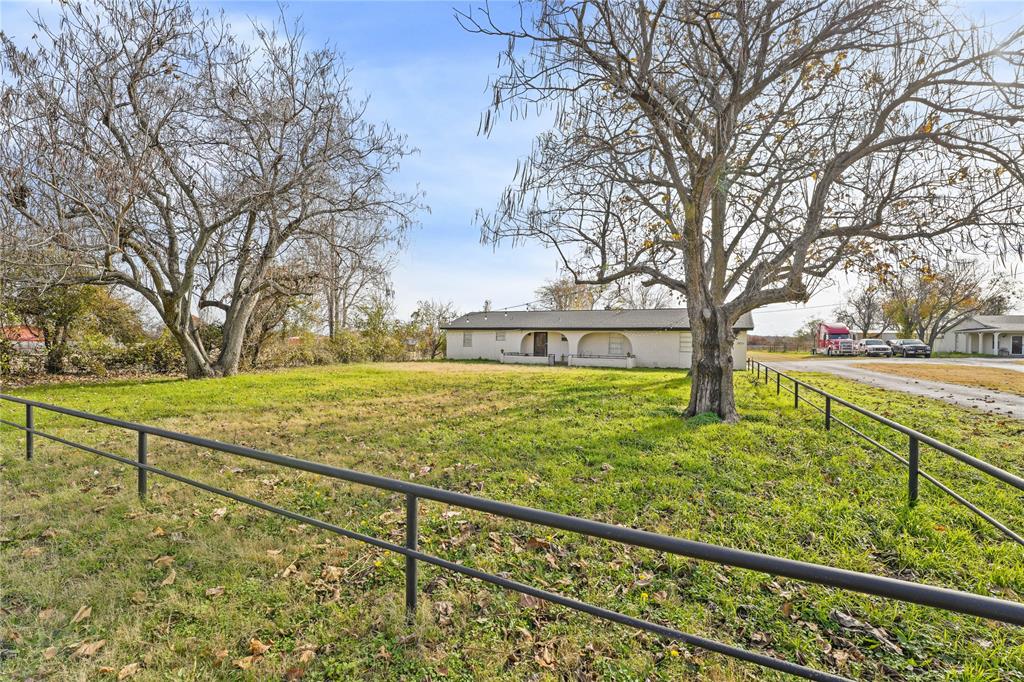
pixel 994 378
pixel 189 586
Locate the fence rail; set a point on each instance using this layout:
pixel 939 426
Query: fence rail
pixel 902 590
pixel 914 440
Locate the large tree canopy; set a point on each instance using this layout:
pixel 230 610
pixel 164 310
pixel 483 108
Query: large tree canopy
pixel 154 149
pixel 737 152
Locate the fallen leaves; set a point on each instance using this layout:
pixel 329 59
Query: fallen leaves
pixel 31 552
pixel 218 513
pixel 444 610
pixel 163 562
pixel 88 649
pixel 258 648
pixel 158 532
pixel 49 652
pixel 169 580
pixel 83 613
pixel 127 671
pixel 139 597
pixel 245 663
pixel 850 623
pixel 213 592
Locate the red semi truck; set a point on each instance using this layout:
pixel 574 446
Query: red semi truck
pixel 834 339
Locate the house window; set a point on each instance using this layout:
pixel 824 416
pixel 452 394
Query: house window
pixel 499 336
pixel 467 339
pixel 615 345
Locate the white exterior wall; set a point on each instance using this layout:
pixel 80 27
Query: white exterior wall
pixel 651 348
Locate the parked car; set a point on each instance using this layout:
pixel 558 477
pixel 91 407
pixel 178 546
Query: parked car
pixel 908 348
pixel 873 347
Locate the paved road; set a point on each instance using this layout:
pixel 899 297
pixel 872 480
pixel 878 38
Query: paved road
pixel 987 400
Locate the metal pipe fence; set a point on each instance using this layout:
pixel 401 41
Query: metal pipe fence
pixel 914 441
pixel 906 591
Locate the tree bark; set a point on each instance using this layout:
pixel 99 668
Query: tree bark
pixel 711 388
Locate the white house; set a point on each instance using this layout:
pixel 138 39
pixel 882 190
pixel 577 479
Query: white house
pixel 988 335
pixel 585 338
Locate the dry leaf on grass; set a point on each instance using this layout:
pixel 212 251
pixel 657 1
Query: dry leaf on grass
pixel 529 601
pixel 169 580
pixel 47 614
pixel 163 562
pixel 258 648
pixel 88 649
pixel 245 663
pixel 293 674
pixel 215 591
pixel 306 655
pixel 220 654
pixel 139 597
pixel 31 552
pixel 129 670
pixel 158 532
pixel 49 652
pixel 82 614
pixel 219 513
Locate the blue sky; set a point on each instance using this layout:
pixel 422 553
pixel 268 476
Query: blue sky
pixel 428 78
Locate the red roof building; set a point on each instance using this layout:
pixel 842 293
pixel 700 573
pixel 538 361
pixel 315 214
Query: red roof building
pixel 23 334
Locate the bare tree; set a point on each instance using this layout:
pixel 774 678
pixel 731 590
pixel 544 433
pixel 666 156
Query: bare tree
pixel 161 153
pixel 632 294
pixel 863 311
pixel 565 293
pixel 932 298
pixel 738 151
pixel 352 261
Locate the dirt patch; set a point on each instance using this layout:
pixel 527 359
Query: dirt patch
pixel 992 378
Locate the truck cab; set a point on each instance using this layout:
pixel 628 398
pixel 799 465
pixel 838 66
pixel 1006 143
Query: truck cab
pixel 834 339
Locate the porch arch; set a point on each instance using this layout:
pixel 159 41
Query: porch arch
pixel 604 343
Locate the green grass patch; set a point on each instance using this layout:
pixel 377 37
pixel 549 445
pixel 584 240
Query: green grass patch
pixel 602 444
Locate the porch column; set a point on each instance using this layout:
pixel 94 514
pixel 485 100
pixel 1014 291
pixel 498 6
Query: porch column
pixel 981 343
pixel 995 343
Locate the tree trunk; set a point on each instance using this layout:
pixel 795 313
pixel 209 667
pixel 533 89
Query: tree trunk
pixel 235 324
pixel 197 364
pixel 711 388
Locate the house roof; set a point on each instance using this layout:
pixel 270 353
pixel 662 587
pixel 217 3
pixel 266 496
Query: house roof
pixel 982 322
pixel 659 318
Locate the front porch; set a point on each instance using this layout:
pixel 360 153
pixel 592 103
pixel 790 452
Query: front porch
pixel 589 349
pixel 1000 343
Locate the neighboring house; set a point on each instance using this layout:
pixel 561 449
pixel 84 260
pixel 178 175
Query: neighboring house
pixel 25 339
pixel 987 335
pixel 585 338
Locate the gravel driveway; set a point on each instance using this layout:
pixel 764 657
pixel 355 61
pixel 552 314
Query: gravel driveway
pixel 987 400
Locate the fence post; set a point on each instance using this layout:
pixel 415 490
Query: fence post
pixel 828 412
pixel 915 454
pixel 411 532
pixel 796 394
pixel 778 384
pixel 30 425
pixel 143 459
pixel 766 374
